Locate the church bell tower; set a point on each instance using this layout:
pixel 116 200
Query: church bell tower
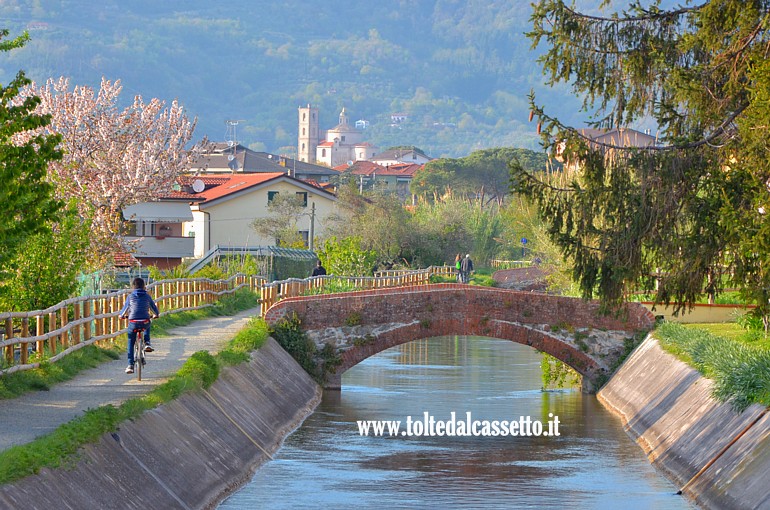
pixel 307 140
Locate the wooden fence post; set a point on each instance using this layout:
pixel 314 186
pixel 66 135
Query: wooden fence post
pixel 87 325
pixel 54 339
pixel 64 319
pixel 98 322
pixel 24 347
pixel 39 330
pixel 8 336
pixel 114 321
pixel 76 314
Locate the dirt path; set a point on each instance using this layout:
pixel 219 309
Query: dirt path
pixel 34 414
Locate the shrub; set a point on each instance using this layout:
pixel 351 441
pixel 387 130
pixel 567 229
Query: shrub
pixel 741 373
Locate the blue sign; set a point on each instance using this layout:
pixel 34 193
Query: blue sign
pixel 523 240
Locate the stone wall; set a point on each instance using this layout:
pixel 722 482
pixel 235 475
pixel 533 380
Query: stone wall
pixel 667 408
pixel 189 453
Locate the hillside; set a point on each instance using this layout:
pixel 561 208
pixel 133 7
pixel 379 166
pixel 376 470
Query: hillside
pixel 460 69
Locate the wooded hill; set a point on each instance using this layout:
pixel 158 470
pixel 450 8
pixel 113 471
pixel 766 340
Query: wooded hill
pixel 460 70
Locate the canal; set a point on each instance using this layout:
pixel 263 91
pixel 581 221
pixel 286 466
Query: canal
pixel 327 463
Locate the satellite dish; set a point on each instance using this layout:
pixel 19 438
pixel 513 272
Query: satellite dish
pixel 198 185
pixel 233 165
pixel 230 157
pixel 230 143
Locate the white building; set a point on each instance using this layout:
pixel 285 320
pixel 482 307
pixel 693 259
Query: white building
pixel 340 145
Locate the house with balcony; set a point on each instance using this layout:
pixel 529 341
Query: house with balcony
pixel 156 233
pixel 226 206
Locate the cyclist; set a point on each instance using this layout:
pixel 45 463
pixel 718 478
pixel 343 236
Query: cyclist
pixel 138 306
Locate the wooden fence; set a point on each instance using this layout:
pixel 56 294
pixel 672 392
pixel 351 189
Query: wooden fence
pixel 81 321
pixel 275 291
pixel 64 328
pixel 509 264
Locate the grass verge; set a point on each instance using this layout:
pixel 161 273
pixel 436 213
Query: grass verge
pixel 740 371
pixel 481 277
pixel 41 379
pixel 58 448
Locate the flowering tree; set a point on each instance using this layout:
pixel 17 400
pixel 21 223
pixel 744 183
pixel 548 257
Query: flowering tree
pixel 112 157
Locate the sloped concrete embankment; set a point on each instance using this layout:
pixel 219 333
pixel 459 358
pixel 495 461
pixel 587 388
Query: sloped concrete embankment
pixel 189 453
pixel 666 406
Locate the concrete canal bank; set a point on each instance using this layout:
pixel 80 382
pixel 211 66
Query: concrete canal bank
pixel 193 452
pixel 667 408
pixel 187 454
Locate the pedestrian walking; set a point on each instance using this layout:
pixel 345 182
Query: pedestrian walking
pixel 466 268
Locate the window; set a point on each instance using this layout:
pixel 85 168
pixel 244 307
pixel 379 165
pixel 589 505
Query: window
pixel 302 196
pixel 304 115
pixel 303 131
pixel 343 138
pixel 323 153
pixel 271 195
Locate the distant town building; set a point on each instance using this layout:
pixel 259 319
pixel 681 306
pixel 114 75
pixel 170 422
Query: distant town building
pixel 399 156
pixel 224 158
pixel 398 118
pixel 343 144
pixel 394 178
pixel 608 139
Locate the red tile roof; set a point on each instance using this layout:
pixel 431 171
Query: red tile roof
pixel 369 168
pixel 236 183
pixel 124 259
pixel 402 169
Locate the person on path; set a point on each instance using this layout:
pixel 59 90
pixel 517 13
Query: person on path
pixel 458 258
pixel 466 268
pixel 138 306
pixel 319 270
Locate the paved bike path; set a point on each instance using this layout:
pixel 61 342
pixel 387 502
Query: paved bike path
pixel 37 413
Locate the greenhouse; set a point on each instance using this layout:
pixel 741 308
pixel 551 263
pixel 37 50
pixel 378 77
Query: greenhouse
pixel 273 262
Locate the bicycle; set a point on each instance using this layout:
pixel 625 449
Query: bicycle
pixel 139 346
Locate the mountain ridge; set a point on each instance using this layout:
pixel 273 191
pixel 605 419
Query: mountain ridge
pixel 461 70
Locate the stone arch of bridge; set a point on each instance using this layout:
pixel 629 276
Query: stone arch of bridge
pixel 370 343
pixel 362 324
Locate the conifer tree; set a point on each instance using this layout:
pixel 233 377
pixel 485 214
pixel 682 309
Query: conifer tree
pixel 689 209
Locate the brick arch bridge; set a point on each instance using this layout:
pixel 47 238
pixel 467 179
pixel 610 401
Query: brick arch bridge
pixel 361 324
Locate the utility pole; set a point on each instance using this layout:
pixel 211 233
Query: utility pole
pixel 312 226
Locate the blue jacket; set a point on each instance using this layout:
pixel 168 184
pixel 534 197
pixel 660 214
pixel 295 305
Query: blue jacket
pixel 140 303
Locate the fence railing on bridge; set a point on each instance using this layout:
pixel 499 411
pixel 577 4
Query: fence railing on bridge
pixel 509 264
pixel 64 328
pixel 293 287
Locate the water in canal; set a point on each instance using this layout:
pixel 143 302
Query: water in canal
pixel 326 463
